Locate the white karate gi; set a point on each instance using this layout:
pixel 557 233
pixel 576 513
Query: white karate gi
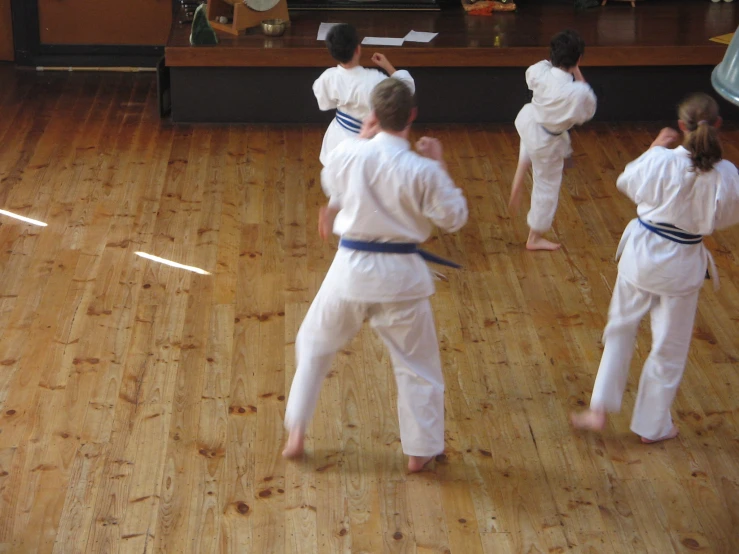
pixel 558 104
pixel 662 277
pixel 349 90
pixel 386 193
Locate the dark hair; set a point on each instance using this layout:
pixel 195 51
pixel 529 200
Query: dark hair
pixel 566 49
pixel 699 113
pixel 342 41
pixel 392 102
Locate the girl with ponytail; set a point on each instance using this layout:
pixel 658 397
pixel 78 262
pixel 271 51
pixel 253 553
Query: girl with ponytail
pixel 700 122
pixel 681 195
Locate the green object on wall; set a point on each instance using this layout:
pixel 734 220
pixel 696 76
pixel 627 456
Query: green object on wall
pixel 202 33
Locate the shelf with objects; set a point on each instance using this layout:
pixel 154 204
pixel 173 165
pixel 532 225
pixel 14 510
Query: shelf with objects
pixel 475 64
pixel 236 16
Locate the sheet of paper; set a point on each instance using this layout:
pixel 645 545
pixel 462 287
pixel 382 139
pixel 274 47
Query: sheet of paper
pixel 723 39
pixel 323 30
pixel 382 41
pixel 417 36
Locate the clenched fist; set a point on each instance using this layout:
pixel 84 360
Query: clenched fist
pixel 666 138
pixel 430 148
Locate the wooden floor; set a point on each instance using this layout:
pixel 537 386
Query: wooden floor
pixel 142 405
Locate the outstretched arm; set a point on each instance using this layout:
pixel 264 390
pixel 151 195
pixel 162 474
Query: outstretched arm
pixel 443 203
pixel 640 178
pixel 333 190
pixel 326 217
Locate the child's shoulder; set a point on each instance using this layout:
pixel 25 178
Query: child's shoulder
pixel 329 72
pixel 347 148
pixel 542 65
pixel 364 72
pixel 424 168
pixel 358 72
pixel 662 154
pixel 538 72
pixel 539 68
pixel 657 159
pixel 725 167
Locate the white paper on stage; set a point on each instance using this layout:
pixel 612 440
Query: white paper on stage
pixel 417 36
pixel 323 30
pixel 382 41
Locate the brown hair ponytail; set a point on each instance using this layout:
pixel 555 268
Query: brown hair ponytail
pixel 699 114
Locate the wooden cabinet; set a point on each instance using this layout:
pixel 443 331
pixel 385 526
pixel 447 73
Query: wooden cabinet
pixel 104 22
pixel 6 32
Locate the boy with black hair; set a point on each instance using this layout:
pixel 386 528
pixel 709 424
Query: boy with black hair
pixel 561 99
pixel 347 87
pixel 383 200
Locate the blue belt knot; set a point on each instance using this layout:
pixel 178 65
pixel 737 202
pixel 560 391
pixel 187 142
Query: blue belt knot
pixel 670 232
pixel 351 124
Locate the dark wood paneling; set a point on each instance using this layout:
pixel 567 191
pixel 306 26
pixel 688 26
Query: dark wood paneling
pixel 6 32
pixel 129 22
pixel 599 56
pixel 444 95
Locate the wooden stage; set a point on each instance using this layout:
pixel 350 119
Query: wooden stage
pixel 141 406
pixel 640 61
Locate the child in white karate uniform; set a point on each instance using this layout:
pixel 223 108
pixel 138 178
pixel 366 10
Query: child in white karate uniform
pixel 681 195
pixel 347 87
pixel 561 100
pixel 384 199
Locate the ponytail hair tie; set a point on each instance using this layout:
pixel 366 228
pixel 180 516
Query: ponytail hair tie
pixel 693 128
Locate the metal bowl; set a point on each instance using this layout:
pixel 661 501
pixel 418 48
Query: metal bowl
pixel 274 27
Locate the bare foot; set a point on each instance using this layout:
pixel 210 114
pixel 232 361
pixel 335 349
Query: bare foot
pixel 295 445
pixel 537 242
pixel 671 435
pixel 589 420
pixel 417 463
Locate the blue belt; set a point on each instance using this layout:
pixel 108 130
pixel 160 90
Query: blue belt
pixel 551 133
pixel 348 122
pixel 670 232
pixel 396 248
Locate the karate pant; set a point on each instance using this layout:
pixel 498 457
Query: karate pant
pixel 546 165
pixel 407 329
pixel 335 135
pixel 672 328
